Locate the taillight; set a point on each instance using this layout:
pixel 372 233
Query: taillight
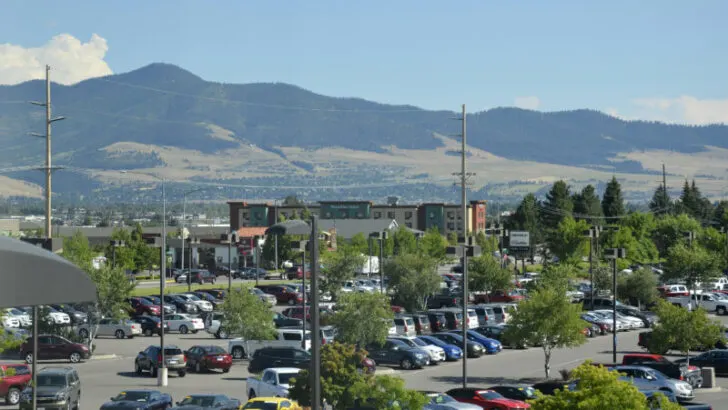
pixel 457 323
pixel 405 328
pixel 159 359
pixel 159 325
pixel 184 358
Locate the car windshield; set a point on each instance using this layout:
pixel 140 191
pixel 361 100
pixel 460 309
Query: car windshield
pixel 215 350
pixel 455 336
pixel 408 342
pixel 201 401
pixel 193 298
pixel 419 342
pixel 262 405
pixel 489 395
pixel 144 302
pixel 51 380
pixel 285 378
pixel 439 398
pixel 141 396
pixel 172 351
pixel 435 341
pixel 153 299
pixel 257 291
pixel 16 312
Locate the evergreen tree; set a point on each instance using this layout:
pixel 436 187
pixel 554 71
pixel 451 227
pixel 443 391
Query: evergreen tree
pixel 526 218
pixel 687 202
pixel 612 202
pixel 720 214
pixel 703 207
pixel 557 206
pixel 586 203
pixel 661 203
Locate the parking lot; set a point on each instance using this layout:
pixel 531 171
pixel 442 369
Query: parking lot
pixel 112 369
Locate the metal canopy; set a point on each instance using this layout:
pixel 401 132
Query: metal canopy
pixel 292 227
pixel 31 275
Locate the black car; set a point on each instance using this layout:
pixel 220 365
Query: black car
pixel 208 401
pixel 443 299
pixel 283 321
pixel 438 322
pixel 151 325
pixel 717 359
pixel 396 352
pixel 268 357
pixel 649 318
pixel 139 400
pixel 475 349
pixel 169 309
pixel 183 305
pixel 515 391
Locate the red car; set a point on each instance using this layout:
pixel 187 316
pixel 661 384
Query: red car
pixel 499 296
pixel 487 399
pixel 297 312
pixel 206 358
pixel 283 294
pixel 52 347
pixel 142 306
pixel 13 380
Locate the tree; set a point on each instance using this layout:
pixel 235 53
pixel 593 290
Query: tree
pixel 340 266
pixel 387 392
pixel 598 389
pixel 683 329
pixel 362 318
pixel 640 251
pixel 452 238
pixel 670 230
pixel 77 250
pixel 602 278
pixel 613 202
pixel 487 275
pixel 246 316
pixel 638 287
pixel 434 245
pixel 145 256
pixel 567 241
pixel 526 218
pixel 305 214
pixel 549 319
pixel 113 287
pixel 693 203
pixel 587 204
pixel 412 278
pixel 557 206
pixel 488 244
pixel 360 244
pixel 285 251
pixel 404 241
pixel 692 263
pixel 661 203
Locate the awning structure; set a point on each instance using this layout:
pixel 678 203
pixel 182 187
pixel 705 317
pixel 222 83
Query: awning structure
pixel 31 275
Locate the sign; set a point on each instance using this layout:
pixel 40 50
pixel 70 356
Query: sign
pixel 519 240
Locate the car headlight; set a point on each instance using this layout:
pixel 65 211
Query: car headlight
pixel 60 395
pixel 477 347
pixel 419 356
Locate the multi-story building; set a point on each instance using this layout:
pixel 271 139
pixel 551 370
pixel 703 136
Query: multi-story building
pixel 445 217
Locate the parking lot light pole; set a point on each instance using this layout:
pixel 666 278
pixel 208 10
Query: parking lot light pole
pixel 301 246
pixel 381 237
pixel 614 254
pixel 192 242
pixel 114 245
pixel 231 238
pixel 593 235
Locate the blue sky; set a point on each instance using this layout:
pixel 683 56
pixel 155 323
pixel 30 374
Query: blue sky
pixel 651 59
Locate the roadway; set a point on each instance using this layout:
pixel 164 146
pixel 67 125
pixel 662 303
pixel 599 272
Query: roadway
pixel 103 378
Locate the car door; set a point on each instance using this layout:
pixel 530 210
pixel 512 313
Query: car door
pixel 148 358
pixel 300 358
pixel 193 356
pixel 377 353
pixel 75 387
pixel 104 328
pixel 45 348
pixel 720 361
pixel 393 351
pixel 60 349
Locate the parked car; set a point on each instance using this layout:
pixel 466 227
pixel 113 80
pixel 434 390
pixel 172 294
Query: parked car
pixel 441 401
pixel 151 325
pixel 679 371
pixel 274 382
pixel 268 357
pixel 717 359
pixel 57 387
pixel 452 352
pixel 181 304
pixel 168 308
pixel 216 303
pixel 422 323
pixel 405 326
pixel 396 352
pixel 52 347
pixel 202 305
pixel 486 315
pixel 209 401
pixel 443 299
pixel 22 317
pixel 438 322
pixel 284 321
pixel 206 358
pixel 150 359
pixel 184 323
pixel 518 392
pixel 474 349
pixel 240 348
pixel 13 380
pixel 492 346
pixel 283 294
pixel 220 294
pixel 657 381
pixel 77 317
pixel 453 317
pixel 436 353
pixel 269 299
pixel 120 329
pixel 141 306
pixel 486 399
pixel 201 276
pixel 271 403
pixel 140 400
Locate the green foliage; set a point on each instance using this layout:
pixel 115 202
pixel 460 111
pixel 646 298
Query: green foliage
pixel 691 263
pixel 412 278
pixel 613 202
pixel 404 241
pixel 387 392
pixel 693 203
pixel 285 253
pixel 597 389
pixel 556 276
pixel 452 238
pixel 557 206
pixel 547 319
pixel 434 245
pixel 638 250
pixel 7 342
pixel 112 288
pixel 661 203
pixel 714 241
pixel 485 274
pixel 638 288
pixel 526 218
pixel 246 316
pixel 488 244
pixel 362 318
pixel 587 204
pixel 602 278
pixel 360 244
pixel 683 330
pixel 567 241
pixel 340 266
pixel 670 230
pixel 77 250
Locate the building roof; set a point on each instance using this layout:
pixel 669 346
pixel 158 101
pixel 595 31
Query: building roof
pixel 251 231
pixel 347 228
pixel 105 232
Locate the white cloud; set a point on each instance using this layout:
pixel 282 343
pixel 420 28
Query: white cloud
pixel 70 59
pixel 681 110
pixel 527 103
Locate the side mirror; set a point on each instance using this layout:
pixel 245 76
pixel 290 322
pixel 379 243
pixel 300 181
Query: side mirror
pixel 141 353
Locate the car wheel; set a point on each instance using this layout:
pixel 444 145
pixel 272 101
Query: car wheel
pixel 194 332
pixel 29 357
pixel 137 369
pixel 83 333
pixel 148 332
pixel 182 373
pixel 720 311
pixel 183 329
pixel 406 364
pixel 120 334
pixel 198 368
pixel 238 353
pixel 13 396
pixel 74 357
pixel 222 334
pixel 226 370
pixel 153 372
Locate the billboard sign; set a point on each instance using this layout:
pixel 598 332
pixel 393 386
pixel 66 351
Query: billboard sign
pixel 519 240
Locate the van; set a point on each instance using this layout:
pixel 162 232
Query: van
pixel 422 324
pixel 500 310
pixel 453 318
pixel 438 322
pixel 405 326
pixel 486 316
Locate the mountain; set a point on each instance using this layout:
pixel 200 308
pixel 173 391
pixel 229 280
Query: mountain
pixel 162 116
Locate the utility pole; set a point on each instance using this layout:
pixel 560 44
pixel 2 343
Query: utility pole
pixel 464 177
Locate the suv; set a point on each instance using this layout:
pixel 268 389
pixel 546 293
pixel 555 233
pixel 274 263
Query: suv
pixel 52 347
pixel 268 357
pixel 148 360
pixel 283 294
pixel 202 276
pixel 58 388
pixel 13 379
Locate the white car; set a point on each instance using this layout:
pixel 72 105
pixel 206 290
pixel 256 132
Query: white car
pixel 392 329
pixel 631 322
pixel 112 327
pixel 184 323
pixel 607 315
pixel 202 305
pixel 22 317
pixel 575 295
pixel 286 264
pixel 437 354
pixel 10 322
pixel 59 318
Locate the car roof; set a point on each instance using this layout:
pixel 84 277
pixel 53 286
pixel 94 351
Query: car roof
pixel 57 369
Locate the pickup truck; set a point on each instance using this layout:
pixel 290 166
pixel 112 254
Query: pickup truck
pixel 705 300
pixel 13 380
pixel 274 382
pixel 690 374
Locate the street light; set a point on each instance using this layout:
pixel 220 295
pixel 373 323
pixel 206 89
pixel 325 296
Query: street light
pixel 299 227
pixel 466 249
pixel 192 241
pixel 302 245
pixel 381 237
pixel 162 373
pixel 614 254
pixel 231 238
pixel 114 245
pixel 593 235
pixel 182 227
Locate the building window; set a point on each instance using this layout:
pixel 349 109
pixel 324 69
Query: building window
pixel 408 224
pixel 245 215
pixel 450 215
pixel 390 214
pixel 451 226
pixel 377 215
pixel 432 215
pixel 460 227
pixel 360 215
pixel 408 215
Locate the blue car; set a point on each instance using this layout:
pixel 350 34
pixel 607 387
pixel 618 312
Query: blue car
pixel 139 399
pixel 492 346
pixel 452 352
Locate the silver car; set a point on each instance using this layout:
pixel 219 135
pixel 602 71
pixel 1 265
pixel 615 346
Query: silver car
pixel 112 327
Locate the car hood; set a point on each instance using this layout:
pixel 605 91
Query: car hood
pixel 431 348
pixel 48 390
pixel 189 407
pixel 123 404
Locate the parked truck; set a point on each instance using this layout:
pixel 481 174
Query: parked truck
pixel 706 301
pixel 274 382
